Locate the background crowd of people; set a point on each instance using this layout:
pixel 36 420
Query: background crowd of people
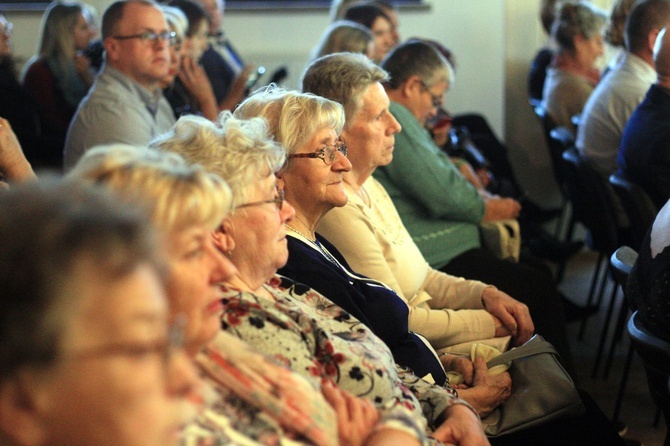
pixel 305 266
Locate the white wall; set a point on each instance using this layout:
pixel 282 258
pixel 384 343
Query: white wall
pixel 270 38
pixel 493 41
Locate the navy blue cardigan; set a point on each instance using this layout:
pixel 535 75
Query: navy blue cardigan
pixel 378 307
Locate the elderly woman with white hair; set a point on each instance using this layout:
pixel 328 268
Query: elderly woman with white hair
pixel 297 325
pixel 254 399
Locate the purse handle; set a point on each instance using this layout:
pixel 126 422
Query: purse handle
pixel 534 346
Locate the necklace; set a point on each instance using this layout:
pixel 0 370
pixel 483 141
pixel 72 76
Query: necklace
pixel 298 232
pixel 317 245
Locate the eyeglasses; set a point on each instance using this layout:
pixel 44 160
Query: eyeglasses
pixel 326 154
pixel 152 37
pixel 278 201
pixel 436 99
pixel 166 348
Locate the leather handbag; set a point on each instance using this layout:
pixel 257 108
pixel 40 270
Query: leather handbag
pixel 542 390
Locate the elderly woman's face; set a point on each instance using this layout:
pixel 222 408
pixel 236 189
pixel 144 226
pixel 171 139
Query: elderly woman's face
pixel 311 186
pixel 259 232
pixel 590 50
pixel 196 268
pixel 114 383
pixel 370 134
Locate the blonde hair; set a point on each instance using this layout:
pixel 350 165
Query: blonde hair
pixel 343 36
pixel 239 151
pixel 176 195
pixel 293 117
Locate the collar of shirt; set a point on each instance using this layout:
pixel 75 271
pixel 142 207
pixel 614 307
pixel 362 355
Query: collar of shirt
pixel 149 98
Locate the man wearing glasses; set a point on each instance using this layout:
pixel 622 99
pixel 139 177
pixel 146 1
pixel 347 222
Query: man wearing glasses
pixel 125 104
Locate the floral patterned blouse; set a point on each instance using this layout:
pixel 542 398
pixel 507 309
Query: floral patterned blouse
pixel 311 335
pixel 251 400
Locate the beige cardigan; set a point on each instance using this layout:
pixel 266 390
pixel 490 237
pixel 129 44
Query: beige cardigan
pixel 375 243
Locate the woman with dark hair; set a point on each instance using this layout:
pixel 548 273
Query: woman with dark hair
pixel 190 92
pixel 378 23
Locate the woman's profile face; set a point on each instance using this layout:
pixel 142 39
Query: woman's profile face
pixel 83 33
pixel 5 37
pixel 259 232
pixel 198 41
pixel 590 50
pixel 117 381
pixel 196 267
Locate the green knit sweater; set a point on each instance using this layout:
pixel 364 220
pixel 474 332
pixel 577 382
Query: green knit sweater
pixel 440 209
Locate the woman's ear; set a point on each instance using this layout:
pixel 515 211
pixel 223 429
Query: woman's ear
pixel 281 181
pixel 223 237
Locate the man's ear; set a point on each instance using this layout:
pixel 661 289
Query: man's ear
pixel 20 422
pixel 223 237
pixel 409 88
pixel 112 49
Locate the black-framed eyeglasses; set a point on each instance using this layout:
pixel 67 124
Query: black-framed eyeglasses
pixel 326 154
pixel 436 99
pixel 170 37
pixel 278 201
pixel 166 347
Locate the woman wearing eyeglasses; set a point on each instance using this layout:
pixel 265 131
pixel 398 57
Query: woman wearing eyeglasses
pixel 86 355
pixel 251 399
pixel 297 325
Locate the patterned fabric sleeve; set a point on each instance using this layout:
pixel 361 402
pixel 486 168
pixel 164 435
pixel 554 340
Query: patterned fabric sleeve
pixel 312 336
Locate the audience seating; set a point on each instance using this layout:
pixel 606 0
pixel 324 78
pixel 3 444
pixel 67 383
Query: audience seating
pixel 622 262
pixel 655 355
pixel 558 139
pixel 592 207
pixel 639 208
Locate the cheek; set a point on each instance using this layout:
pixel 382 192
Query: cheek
pixel 118 402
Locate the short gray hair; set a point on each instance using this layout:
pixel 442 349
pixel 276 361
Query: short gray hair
pixel 417 58
pixel 576 19
pixel 343 78
pixel 239 151
pixel 293 117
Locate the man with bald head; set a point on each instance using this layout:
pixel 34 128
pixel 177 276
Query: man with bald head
pixel 126 104
pixel 644 154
